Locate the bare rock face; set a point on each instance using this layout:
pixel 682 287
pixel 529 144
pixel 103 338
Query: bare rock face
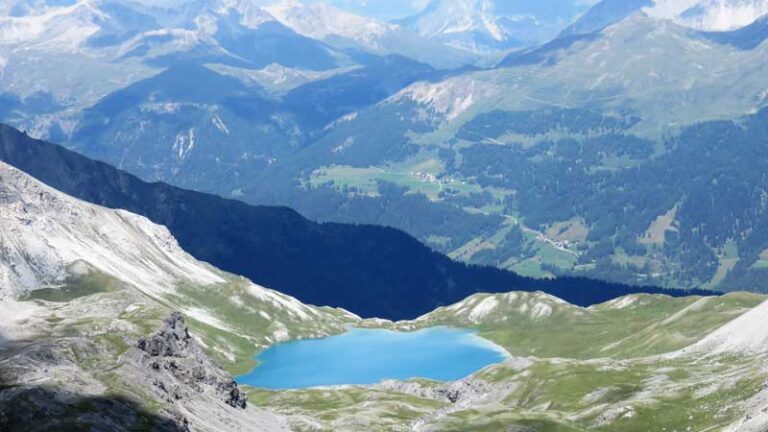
pixel 173 340
pixel 31 402
pixel 41 409
pixel 463 393
pixel 177 366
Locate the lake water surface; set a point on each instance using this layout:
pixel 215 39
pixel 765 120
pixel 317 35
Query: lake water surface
pixel 363 356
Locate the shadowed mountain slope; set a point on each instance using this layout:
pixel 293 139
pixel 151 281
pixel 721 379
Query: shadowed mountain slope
pixel 369 270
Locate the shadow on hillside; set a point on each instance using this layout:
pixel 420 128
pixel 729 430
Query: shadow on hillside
pixel 33 408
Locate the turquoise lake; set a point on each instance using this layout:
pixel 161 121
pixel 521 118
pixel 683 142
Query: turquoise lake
pixel 363 356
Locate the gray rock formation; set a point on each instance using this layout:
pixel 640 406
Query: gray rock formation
pixel 166 382
pixel 461 392
pixel 178 365
pixel 31 400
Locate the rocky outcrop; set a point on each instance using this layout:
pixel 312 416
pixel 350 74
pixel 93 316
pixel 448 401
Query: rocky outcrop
pixel 177 365
pixel 164 383
pixel 31 400
pixel 173 340
pixel 40 409
pixel 462 393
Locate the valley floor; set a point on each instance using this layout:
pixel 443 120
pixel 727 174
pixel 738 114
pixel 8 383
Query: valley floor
pixel 630 373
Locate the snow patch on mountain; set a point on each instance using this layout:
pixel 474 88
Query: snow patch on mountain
pixel 63 28
pixel 460 16
pixel 486 26
pixel 184 143
pixel 669 9
pixel 219 123
pixel 67 28
pixel 321 21
pixel 711 15
pixel 44 232
pixel 251 15
pixel 344 30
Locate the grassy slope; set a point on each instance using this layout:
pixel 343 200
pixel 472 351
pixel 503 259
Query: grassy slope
pixel 93 320
pixel 597 74
pixel 634 326
pixel 242 322
pixel 586 369
pixel 547 395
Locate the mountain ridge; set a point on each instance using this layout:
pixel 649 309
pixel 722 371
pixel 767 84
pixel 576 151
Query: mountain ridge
pixel 486 26
pixel 109 341
pixel 450 144
pixel 402 278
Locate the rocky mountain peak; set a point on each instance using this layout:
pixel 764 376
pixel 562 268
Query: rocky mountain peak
pixel 177 365
pixel 173 340
pixel 43 232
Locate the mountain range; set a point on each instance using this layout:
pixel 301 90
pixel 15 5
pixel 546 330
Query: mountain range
pixel 486 26
pixel 87 284
pixel 107 323
pixel 371 271
pixel 577 185
pixel 364 121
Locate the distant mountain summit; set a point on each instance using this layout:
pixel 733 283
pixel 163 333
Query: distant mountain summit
pixel 57 58
pixel 492 25
pixel 705 15
pixel 745 38
pixel 346 30
pixel 303 104
pixel 222 30
pixel 603 14
pixel 712 15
